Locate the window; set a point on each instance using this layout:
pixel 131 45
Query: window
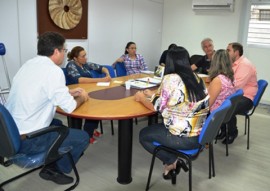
pixel 259 25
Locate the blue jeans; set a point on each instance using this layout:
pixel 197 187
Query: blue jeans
pixel 78 140
pixel 160 134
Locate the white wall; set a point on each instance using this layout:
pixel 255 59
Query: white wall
pixel 187 28
pixel 111 24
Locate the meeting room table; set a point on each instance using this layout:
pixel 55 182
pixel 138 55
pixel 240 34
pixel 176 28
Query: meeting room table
pixel 113 102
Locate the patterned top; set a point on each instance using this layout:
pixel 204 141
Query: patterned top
pixel 134 66
pixel 227 88
pixel 75 72
pixel 181 117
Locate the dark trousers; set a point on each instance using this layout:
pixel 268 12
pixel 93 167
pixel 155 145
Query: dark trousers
pixel 244 105
pixel 159 133
pixel 89 126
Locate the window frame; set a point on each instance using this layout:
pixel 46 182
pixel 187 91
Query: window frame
pixel 246 25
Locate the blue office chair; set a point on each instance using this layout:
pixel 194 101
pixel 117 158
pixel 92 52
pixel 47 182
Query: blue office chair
pixel 120 69
pixel 10 144
pixel 262 84
pixel 234 98
pixel 2 54
pixel 207 135
pixel 66 76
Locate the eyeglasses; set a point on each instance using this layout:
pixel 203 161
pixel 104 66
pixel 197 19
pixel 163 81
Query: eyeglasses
pixel 65 50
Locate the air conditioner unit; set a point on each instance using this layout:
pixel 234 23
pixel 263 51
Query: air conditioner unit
pixel 227 5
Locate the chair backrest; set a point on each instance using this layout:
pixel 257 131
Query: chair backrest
pixel 2 49
pixel 213 122
pixel 66 76
pixel 195 58
pixel 10 139
pixel 120 69
pixel 262 84
pixel 234 98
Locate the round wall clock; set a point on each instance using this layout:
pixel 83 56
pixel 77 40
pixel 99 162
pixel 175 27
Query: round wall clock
pixel 66 14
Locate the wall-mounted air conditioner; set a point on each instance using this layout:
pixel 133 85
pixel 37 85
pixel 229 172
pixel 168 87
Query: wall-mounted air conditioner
pixel 227 5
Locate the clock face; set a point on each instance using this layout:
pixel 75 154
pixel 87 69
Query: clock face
pixel 66 14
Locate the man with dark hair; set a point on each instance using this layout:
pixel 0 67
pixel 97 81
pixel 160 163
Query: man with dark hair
pixel 245 77
pixel 162 60
pixel 37 89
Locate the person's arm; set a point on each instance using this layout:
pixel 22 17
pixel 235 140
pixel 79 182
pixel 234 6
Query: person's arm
pixel 143 65
pixel 142 98
pixel 194 67
pixel 84 80
pixel 106 71
pixel 80 96
pixel 242 75
pixel 121 59
pixel 214 90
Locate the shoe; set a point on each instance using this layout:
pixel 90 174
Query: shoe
pixel 48 173
pixel 92 140
pixel 181 164
pixel 221 135
pixel 171 175
pixel 97 134
pixel 230 138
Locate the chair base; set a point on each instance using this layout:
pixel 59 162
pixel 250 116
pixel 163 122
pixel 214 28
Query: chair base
pixel 34 169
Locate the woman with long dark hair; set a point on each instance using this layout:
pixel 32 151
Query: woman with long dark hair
pixel 183 102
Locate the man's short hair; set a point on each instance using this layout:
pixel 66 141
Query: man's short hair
pixel 48 42
pixel 237 46
pixel 206 40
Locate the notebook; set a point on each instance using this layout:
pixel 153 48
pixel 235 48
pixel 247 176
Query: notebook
pixel 158 75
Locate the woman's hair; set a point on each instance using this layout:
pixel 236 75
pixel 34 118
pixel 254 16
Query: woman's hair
pixel 74 52
pixel 221 64
pixel 128 45
pixel 48 42
pixel 178 62
pixel 172 46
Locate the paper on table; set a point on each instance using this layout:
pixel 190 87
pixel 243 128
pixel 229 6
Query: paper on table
pixel 103 83
pixel 117 81
pixel 147 72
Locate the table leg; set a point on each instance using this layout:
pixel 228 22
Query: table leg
pixel 74 122
pixel 125 136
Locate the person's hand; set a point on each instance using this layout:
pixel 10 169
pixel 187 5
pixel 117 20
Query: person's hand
pixel 76 92
pixel 106 79
pixel 148 93
pixel 84 94
pixel 120 60
pixel 139 96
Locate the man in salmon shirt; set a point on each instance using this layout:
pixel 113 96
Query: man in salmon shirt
pixel 245 77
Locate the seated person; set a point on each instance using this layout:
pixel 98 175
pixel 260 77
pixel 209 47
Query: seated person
pixel 79 71
pixel 164 55
pixel 203 65
pixel 221 79
pixel 37 89
pixel 183 102
pixel 134 62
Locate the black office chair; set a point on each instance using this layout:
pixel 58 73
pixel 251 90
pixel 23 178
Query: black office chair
pixel 262 84
pixel 10 144
pixel 208 133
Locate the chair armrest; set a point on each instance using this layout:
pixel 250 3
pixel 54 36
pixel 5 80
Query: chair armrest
pixel 53 153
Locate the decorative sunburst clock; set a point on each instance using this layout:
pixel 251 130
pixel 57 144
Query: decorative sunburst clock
pixel 66 14
pixel 68 17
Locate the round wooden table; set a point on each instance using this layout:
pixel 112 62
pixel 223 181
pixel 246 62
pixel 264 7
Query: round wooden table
pixel 113 102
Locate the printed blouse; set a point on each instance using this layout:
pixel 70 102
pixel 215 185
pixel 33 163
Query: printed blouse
pixel 181 117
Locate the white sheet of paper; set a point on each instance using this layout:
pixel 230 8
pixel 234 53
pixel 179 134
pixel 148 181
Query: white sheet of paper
pixel 103 83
